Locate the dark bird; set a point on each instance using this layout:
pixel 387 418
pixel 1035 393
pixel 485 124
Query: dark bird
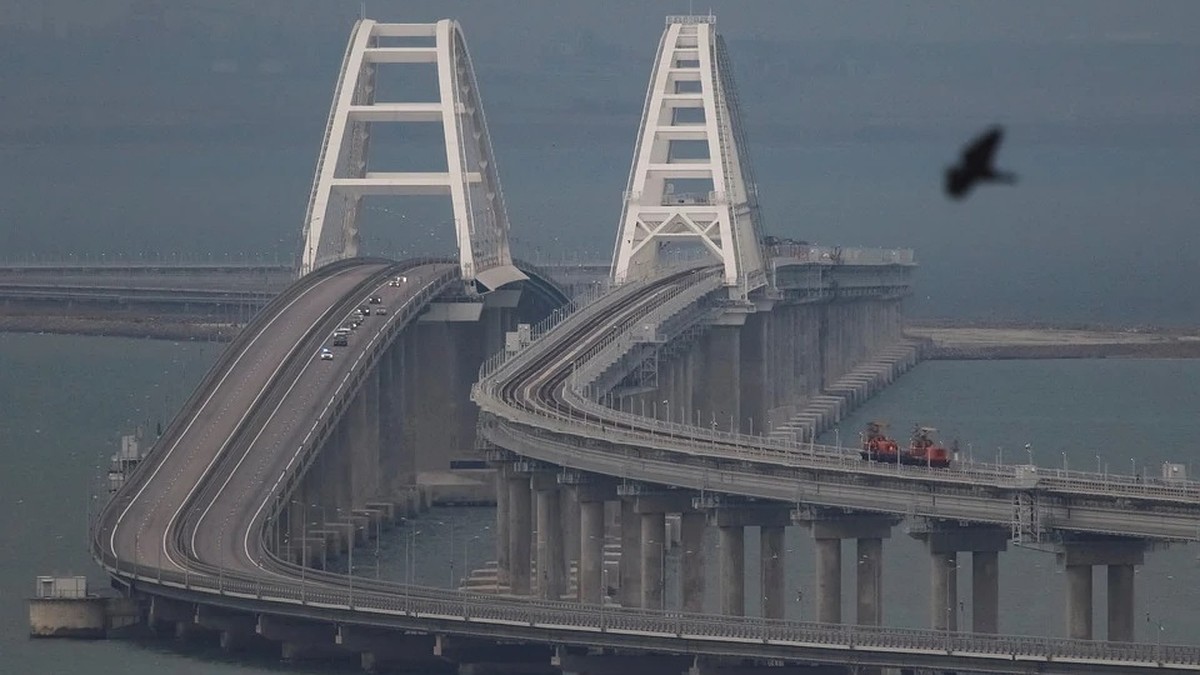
pixel 976 165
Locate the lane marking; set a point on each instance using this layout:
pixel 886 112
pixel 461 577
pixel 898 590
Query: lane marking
pixel 112 540
pixel 317 422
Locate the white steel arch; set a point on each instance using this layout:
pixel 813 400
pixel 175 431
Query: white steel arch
pixel 691 99
pixel 343 176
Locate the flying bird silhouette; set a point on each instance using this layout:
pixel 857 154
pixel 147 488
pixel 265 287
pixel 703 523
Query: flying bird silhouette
pixel 975 165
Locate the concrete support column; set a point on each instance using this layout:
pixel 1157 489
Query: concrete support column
pixel 943 598
pixel 718 378
pixel 519 530
pixel 503 520
pixel 1079 602
pixel 1120 603
pixel 945 540
pixel 654 556
pixel 631 553
pixel 869 581
pixel 591 555
pixel 691 542
pixel 771 556
pixel 829 580
pixel 985 591
pixel 1120 556
pixel 549 541
pixel 753 375
pixel 571 520
pixel 731 543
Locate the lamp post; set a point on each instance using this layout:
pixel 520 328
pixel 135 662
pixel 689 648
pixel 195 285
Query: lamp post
pixel 1157 637
pixel 466 568
pixel 603 592
pixel 350 556
pixel 1029 450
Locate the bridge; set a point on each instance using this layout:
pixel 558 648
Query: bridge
pixel 694 386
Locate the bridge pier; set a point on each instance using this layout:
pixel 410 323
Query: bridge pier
pixel 691 561
pixel 731 521
pixel 771 560
pixel 571 521
pixel 550 556
pixel 1120 556
pixel 503 522
pixel 717 379
pixel 591 544
pixel 520 523
pixel 300 640
pixel 475 656
pixel 630 568
pixel 619 664
pixel 944 542
pixel 388 651
pixel 654 555
pixel 828 530
pixel 753 376
pixel 236 629
pixel 731 561
pixel 652 506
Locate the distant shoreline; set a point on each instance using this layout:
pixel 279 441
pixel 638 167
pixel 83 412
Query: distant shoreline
pixel 971 341
pixel 174 329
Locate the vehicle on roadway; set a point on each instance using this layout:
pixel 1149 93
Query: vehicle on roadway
pixel 396 281
pixel 381 311
pixel 326 354
pixel 375 300
pixel 922 449
pixel 340 341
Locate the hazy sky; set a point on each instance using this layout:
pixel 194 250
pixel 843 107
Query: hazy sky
pixel 192 126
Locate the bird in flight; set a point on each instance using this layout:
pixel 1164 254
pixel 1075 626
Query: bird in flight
pixel 975 165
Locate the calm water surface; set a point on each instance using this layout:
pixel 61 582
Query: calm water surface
pixel 68 399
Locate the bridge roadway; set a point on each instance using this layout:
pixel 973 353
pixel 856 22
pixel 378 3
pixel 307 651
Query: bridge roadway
pixel 190 522
pixel 539 412
pixel 196 493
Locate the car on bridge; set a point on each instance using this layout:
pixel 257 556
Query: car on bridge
pixel 396 281
pixel 380 311
pixel 375 300
pixel 326 354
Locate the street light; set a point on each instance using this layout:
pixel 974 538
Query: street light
pixel 466 568
pixel 603 592
pixel 1029 449
pixel 1157 637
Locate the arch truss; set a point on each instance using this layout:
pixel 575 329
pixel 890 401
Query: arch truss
pixel 691 181
pixel 344 175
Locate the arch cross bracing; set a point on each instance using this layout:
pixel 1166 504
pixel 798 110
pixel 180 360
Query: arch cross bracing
pixel 691 181
pixel 344 176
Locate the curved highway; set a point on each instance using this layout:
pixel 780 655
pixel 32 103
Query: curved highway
pixel 190 522
pixel 539 410
pixel 199 500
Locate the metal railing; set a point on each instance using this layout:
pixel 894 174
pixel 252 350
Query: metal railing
pixel 783 254
pixel 379 601
pixel 585 417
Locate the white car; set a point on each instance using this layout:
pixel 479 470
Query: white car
pixel 326 355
